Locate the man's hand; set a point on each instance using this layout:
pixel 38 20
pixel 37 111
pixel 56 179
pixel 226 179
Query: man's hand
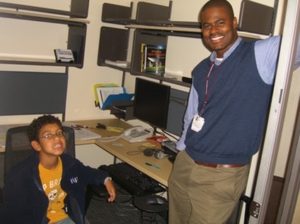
pixel 111 190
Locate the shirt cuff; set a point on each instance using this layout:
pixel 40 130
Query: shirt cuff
pixel 107 179
pixel 180 145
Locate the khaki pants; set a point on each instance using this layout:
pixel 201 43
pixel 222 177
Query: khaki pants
pixel 203 195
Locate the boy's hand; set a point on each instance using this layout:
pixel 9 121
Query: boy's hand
pixel 111 190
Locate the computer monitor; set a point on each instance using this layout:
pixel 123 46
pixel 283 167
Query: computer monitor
pixel 151 102
pixel 177 107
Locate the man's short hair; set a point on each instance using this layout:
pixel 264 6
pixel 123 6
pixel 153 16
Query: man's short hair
pixel 218 3
pixel 37 124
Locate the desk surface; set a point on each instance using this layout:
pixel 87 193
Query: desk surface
pixel 131 153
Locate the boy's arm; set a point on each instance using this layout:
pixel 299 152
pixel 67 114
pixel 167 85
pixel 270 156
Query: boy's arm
pixel 98 177
pixel 110 189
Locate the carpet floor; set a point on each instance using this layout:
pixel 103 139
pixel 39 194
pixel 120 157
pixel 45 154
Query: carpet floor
pixel 122 211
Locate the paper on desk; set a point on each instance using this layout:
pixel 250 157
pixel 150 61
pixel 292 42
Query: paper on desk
pixel 83 133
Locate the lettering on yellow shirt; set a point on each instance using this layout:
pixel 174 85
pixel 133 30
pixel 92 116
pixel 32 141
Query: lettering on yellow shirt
pixel 51 179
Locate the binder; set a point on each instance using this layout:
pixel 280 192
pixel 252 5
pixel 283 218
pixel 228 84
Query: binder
pixel 115 99
pixel 97 88
pixel 108 94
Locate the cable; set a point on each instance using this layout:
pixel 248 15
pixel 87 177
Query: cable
pixel 170 135
pixel 109 139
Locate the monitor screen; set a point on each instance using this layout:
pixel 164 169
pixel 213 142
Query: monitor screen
pixel 151 102
pixel 177 107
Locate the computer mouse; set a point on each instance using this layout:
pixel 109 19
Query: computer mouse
pixel 156 201
pixel 149 151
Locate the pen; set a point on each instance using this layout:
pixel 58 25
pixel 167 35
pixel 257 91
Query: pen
pixel 102 126
pixel 153 165
pixel 78 126
pixel 109 128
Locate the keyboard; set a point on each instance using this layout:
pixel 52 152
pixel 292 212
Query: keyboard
pixel 132 180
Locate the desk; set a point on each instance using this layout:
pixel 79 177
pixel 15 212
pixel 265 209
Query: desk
pixel 131 153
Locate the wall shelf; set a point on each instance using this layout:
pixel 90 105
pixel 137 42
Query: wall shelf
pixel 117 14
pixel 113 45
pixel 79 8
pixel 162 78
pixel 33 61
pixel 172 29
pixel 74 19
pixel 41 17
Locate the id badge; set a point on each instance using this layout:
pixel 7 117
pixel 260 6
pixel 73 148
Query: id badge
pixel 198 123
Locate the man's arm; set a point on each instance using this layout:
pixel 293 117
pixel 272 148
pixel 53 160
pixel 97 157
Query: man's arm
pixel 266 55
pixel 191 110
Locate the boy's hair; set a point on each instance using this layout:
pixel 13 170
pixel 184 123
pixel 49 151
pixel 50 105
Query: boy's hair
pixel 36 125
pixel 218 3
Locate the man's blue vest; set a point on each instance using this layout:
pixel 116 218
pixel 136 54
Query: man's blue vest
pixel 235 115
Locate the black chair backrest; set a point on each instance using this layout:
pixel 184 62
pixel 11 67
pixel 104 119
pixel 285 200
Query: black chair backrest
pixel 70 139
pixel 18 147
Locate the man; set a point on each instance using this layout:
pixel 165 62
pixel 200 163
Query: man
pixel 224 121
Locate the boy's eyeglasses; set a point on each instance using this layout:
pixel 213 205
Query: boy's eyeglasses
pixel 50 136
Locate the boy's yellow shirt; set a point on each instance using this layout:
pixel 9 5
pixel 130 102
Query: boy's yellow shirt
pixel 51 184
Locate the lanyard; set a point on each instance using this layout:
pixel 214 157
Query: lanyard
pixel 206 89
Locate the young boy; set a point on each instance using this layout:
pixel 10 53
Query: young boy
pixel 49 186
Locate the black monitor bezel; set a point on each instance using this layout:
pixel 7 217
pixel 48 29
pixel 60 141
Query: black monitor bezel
pixel 162 99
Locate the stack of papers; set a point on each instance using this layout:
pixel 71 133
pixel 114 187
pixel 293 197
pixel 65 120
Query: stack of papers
pixel 81 133
pixel 85 134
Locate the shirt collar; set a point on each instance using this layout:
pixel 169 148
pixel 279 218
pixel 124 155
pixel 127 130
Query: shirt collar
pixel 213 56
